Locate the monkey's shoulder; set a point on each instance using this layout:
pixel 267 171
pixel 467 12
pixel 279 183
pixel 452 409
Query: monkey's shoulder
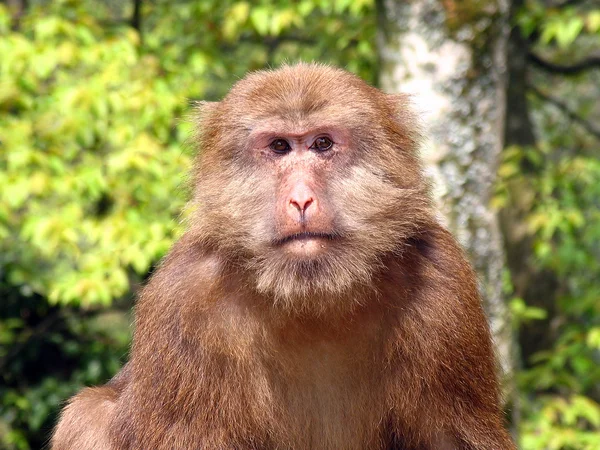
pixel 437 249
pixel 190 269
pixel 432 268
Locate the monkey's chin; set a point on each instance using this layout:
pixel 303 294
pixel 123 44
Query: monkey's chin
pixel 313 274
pixel 306 248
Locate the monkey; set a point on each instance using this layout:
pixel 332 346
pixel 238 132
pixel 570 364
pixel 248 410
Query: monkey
pixel 314 301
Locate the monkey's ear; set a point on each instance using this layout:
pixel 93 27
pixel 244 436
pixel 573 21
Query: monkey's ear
pixel 406 118
pixel 199 118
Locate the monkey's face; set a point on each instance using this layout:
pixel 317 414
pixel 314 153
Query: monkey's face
pixel 302 178
pixel 302 224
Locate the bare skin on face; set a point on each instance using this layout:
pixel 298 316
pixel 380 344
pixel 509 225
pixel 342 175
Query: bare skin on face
pixel 305 227
pixel 314 302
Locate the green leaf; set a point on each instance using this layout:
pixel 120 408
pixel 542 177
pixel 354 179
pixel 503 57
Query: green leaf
pixel 593 21
pixel 567 33
pixel 260 18
pixel 593 338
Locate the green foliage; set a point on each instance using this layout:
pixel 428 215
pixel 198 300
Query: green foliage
pixel 560 385
pixel 93 164
pixel 521 312
pixel 91 160
pixel 559 412
pixel 566 223
pixel 563 423
pixel 557 25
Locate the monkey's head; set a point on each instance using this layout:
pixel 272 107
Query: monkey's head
pixel 307 177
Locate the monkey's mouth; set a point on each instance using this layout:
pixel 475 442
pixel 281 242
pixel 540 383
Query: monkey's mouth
pixel 306 236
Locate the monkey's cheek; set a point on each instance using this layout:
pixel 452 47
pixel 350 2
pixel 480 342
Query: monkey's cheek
pixel 306 248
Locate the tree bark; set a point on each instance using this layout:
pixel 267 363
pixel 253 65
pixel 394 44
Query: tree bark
pixel 451 56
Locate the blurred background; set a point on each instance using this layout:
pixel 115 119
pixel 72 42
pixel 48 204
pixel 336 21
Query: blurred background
pixel 93 162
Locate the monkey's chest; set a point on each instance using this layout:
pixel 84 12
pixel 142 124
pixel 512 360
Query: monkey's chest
pixel 322 405
pixel 333 416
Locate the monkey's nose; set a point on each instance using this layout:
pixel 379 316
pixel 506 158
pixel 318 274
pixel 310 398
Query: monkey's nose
pixel 301 205
pixel 300 200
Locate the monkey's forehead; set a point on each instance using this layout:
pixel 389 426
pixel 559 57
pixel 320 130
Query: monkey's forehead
pixel 303 89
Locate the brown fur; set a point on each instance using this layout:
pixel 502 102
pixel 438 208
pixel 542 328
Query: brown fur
pixel 375 340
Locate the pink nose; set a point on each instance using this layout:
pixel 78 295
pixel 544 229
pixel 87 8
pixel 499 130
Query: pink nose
pixel 300 199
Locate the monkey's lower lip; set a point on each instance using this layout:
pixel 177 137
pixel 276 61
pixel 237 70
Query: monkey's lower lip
pixel 306 236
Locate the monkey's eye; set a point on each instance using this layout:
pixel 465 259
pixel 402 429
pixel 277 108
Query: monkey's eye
pixel 280 146
pixel 322 144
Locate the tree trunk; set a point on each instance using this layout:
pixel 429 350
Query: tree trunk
pixel 451 55
pixel 537 287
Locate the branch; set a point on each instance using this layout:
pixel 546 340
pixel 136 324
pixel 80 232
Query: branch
pixel 587 64
pixel 567 3
pixel 564 108
pixel 136 18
